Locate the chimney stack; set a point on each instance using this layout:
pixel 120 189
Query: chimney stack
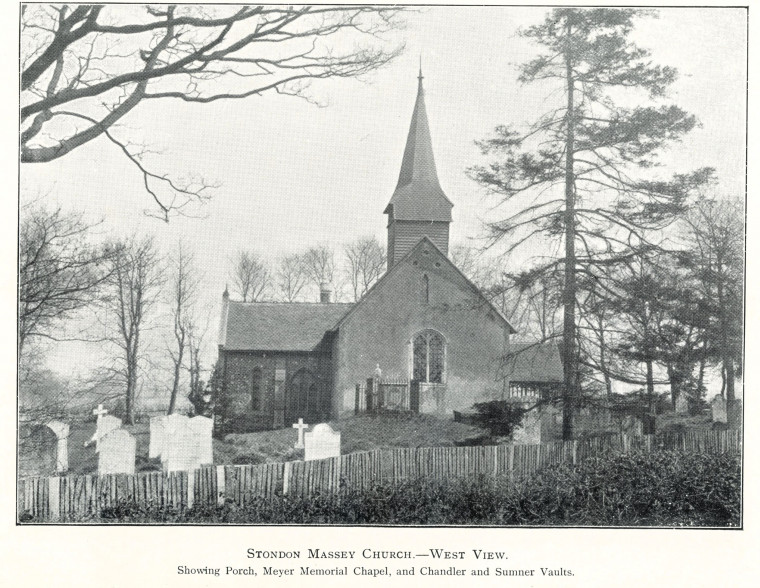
pixel 325 293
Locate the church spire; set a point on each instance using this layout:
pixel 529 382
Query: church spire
pixel 418 198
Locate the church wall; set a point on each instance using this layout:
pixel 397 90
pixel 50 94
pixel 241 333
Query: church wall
pixel 379 331
pixel 235 407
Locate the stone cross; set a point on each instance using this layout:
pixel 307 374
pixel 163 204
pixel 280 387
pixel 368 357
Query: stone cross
pixel 301 426
pixel 100 411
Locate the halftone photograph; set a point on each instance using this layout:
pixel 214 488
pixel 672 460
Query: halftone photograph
pixel 414 266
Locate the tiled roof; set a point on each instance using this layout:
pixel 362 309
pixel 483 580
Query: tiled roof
pixel 534 362
pixel 418 194
pixel 279 326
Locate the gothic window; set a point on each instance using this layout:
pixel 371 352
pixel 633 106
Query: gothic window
pixel 428 357
pixel 256 389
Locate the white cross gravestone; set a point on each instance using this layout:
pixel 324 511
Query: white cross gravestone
pixel 105 425
pixel 321 443
pixel 187 443
pixel 719 414
pixel 301 426
pixel 61 431
pixel 116 453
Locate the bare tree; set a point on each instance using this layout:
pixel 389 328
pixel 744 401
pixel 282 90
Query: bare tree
pixel 250 277
pixel 291 277
pixel 365 264
pixel 183 292
pixel 60 272
pixel 135 283
pixel 85 67
pixel 319 263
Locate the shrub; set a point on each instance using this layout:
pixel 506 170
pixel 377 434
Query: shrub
pixel 500 417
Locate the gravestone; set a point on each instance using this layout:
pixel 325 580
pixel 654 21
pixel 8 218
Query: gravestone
pixel 301 426
pixel 116 453
pixel 158 427
pixel 105 425
pixel 682 405
pixel 321 442
pixel 630 425
pixel 719 414
pixel 37 451
pixel 61 431
pixel 187 443
pixel 529 431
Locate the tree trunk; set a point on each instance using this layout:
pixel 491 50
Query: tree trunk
pixel 570 360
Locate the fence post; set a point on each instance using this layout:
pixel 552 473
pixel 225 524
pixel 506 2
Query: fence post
pixel 220 485
pixel 368 394
pixel 575 451
pixel 54 498
pixel 286 475
pixel 190 488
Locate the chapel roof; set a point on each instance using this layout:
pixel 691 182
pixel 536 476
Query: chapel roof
pixel 279 326
pixel 533 362
pixel 418 195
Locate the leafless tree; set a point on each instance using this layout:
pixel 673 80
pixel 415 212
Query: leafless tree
pixel 291 277
pixel 135 284
pixel 60 272
pixel 183 293
pixel 85 67
pixel 320 266
pixel 250 276
pixel 197 328
pixel 365 259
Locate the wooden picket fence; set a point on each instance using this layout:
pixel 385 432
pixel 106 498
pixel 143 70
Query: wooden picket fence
pixel 77 498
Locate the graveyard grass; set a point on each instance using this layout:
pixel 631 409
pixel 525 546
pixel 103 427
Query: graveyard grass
pixel 658 489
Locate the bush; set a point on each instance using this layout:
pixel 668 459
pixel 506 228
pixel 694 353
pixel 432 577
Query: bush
pixel 500 417
pixel 638 489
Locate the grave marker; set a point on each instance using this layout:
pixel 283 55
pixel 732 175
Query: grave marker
pixel 719 413
pixel 682 405
pixel 61 431
pixel 158 426
pixel 187 443
pixel 301 426
pixel 321 443
pixel 116 453
pixel 105 425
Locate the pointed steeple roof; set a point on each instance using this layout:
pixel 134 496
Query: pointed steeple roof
pixel 418 195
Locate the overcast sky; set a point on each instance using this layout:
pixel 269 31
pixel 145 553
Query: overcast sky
pixel 293 175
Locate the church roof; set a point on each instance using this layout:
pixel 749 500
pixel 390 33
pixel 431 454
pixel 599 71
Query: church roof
pixel 534 362
pixel 278 326
pixel 418 194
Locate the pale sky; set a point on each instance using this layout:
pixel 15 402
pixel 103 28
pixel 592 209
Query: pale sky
pixel 294 175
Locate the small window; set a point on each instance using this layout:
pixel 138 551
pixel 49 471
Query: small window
pixel 425 289
pixel 256 389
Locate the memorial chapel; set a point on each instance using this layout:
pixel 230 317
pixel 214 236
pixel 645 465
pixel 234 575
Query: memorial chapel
pixel 423 325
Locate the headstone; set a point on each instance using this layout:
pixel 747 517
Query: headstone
pixel 529 431
pixel 158 427
pixel 301 426
pixel 37 452
pixel 187 443
pixel 116 453
pixel 106 424
pixel 682 405
pixel 719 414
pixel 61 431
pixel 321 442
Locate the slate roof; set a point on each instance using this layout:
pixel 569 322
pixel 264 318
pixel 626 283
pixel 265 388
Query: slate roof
pixel 278 326
pixel 534 362
pixel 418 194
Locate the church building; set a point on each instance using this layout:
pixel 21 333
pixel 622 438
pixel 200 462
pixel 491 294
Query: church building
pixel 423 338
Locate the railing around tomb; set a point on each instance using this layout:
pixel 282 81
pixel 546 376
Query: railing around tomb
pixel 399 395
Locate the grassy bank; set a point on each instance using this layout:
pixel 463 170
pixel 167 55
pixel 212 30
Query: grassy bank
pixel 664 488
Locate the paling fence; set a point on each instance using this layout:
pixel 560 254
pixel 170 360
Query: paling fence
pixel 72 498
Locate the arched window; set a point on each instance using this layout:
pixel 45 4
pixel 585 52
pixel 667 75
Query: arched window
pixel 256 389
pixel 428 357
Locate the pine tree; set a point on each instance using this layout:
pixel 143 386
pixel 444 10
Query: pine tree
pixel 577 175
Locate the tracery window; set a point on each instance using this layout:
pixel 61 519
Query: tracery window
pixel 428 357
